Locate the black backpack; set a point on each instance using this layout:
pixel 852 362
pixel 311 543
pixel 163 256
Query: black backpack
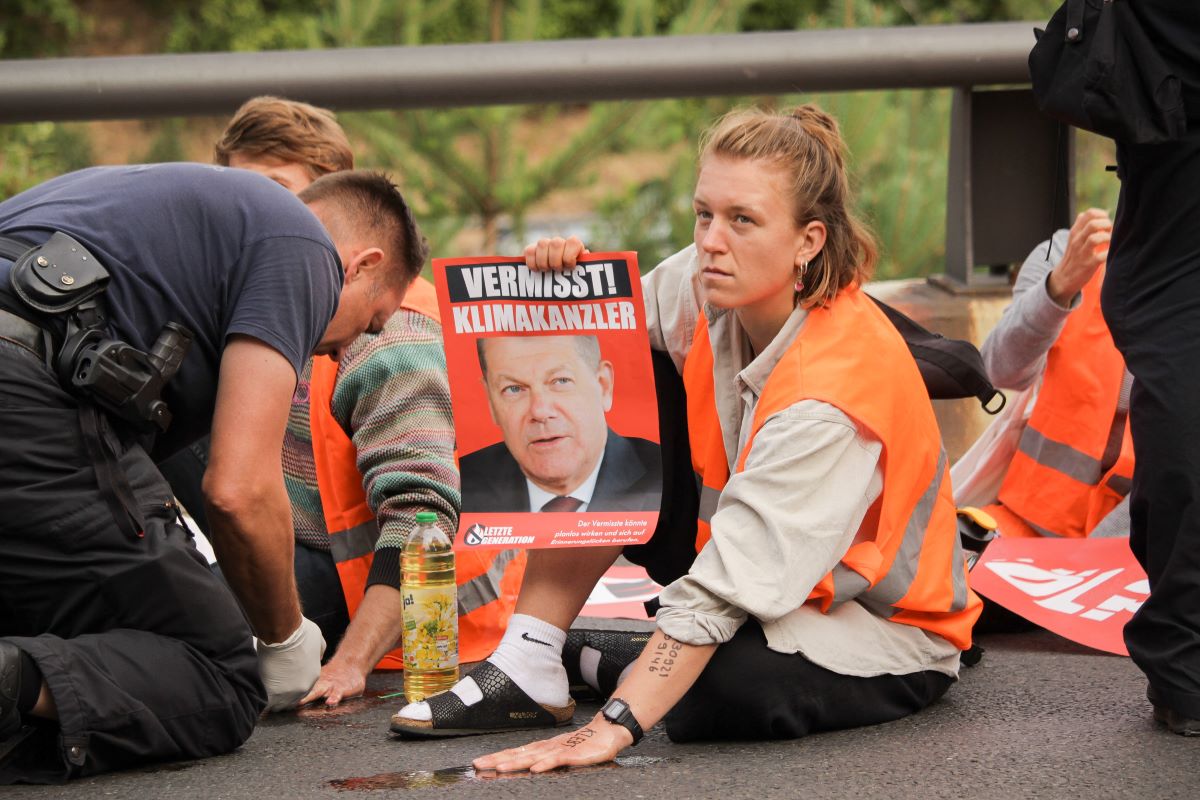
pixel 951 368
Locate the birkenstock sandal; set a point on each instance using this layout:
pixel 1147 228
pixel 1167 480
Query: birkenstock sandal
pixel 504 707
pixel 615 650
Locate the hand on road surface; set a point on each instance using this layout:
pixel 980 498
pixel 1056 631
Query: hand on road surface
pixel 594 743
pixel 291 667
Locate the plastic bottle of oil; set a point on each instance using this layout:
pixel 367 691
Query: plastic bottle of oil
pixel 430 637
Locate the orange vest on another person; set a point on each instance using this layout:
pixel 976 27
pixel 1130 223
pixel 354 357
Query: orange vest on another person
pixel 488 582
pixel 906 563
pixel 1074 462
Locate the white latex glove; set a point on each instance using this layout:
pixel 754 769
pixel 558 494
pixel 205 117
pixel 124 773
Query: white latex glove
pixel 291 667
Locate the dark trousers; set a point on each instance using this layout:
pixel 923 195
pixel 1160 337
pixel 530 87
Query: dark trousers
pixel 184 471
pixel 1151 301
pixel 144 650
pixel 748 691
pixel 321 594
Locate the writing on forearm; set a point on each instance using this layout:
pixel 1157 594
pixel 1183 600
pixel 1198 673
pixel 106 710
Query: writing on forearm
pixel 578 737
pixel 662 661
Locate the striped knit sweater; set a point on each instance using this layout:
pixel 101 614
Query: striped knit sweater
pixel 392 397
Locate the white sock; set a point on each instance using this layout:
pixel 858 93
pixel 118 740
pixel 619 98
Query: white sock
pixel 589 667
pixel 530 654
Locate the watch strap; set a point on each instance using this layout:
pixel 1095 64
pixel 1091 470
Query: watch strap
pixel 623 717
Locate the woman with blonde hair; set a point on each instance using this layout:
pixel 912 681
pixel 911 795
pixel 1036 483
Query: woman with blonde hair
pixel 829 590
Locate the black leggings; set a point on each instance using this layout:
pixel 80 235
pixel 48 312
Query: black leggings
pixel 748 691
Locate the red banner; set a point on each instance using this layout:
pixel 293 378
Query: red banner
pixel 554 405
pixel 1082 589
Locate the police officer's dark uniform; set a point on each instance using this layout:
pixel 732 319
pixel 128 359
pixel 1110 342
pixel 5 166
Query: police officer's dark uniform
pixel 1151 302
pixel 145 652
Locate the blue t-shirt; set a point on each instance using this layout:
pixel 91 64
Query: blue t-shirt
pixel 220 251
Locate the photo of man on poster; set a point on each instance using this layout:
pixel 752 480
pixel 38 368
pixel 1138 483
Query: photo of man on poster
pixel 549 396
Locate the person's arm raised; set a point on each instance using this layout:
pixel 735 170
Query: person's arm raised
pixel 1087 251
pixel 663 673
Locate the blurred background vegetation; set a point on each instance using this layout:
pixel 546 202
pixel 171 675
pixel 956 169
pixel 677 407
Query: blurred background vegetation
pixel 484 179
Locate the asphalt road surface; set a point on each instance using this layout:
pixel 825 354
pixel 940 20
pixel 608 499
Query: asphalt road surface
pixel 1038 718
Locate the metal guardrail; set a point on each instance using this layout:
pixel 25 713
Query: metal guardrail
pixel 995 210
pixel 518 72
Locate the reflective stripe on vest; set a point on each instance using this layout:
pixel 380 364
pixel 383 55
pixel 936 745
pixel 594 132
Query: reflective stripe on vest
pixel 1120 484
pixel 359 542
pixel 486 587
pixel 906 563
pixel 1074 461
pixel 1059 456
pixel 488 581
pixel 708 500
pixel 354 542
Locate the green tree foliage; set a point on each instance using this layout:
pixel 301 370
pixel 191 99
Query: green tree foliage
pixel 488 167
pixel 31 28
pixel 167 144
pixel 898 143
pixel 474 164
pixel 30 154
pixel 245 25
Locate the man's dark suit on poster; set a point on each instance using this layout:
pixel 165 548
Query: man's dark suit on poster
pixel 630 478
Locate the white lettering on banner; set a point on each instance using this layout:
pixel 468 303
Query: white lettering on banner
pixel 538 317
pixel 1033 580
pixel 1119 602
pixel 1111 606
pixel 508 280
pixel 473 279
pixel 493 534
pixel 1065 602
pixel 1060 588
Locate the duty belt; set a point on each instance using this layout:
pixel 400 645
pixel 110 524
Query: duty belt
pixel 14 329
pixel 23 333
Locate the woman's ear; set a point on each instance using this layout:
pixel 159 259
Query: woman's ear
pixel 810 240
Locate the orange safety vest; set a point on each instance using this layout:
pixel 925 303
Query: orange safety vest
pixel 906 563
pixel 488 582
pixel 1074 462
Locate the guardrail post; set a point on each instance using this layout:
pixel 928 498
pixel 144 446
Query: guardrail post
pixel 1010 184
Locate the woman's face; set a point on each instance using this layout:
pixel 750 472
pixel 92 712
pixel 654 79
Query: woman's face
pixel 747 238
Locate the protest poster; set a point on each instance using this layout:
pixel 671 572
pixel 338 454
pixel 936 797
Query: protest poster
pixel 1084 590
pixel 554 404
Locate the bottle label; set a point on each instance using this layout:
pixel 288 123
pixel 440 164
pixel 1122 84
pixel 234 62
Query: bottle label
pixel 430 638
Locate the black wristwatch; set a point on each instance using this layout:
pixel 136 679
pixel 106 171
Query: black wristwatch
pixel 617 712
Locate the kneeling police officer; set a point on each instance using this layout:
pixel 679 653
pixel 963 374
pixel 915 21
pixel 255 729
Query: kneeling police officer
pixel 140 307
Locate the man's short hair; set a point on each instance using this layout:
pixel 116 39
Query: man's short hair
pixel 370 201
pixel 587 346
pixel 288 130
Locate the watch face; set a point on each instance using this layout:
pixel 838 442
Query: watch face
pixel 615 708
